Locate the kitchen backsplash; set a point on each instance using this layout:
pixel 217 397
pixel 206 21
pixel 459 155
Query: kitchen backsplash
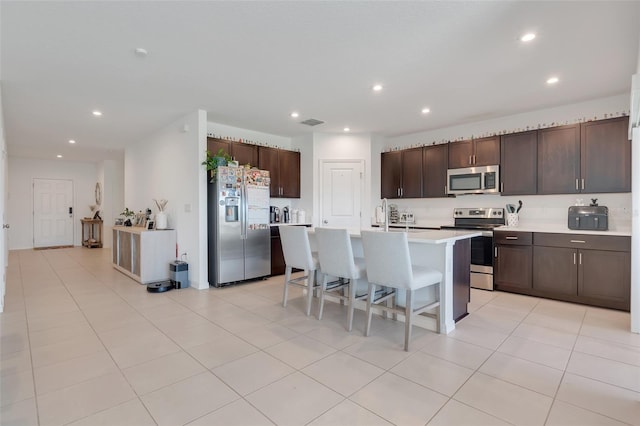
pixel 537 209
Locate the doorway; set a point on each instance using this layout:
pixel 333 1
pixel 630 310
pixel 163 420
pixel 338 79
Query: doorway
pixel 341 189
pixel 52 213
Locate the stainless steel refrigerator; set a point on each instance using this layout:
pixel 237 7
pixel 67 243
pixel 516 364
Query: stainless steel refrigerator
pixel 239 232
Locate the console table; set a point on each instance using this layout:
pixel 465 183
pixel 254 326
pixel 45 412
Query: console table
pixel 91 232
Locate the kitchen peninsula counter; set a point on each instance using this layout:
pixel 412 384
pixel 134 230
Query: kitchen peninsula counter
pixel 447 251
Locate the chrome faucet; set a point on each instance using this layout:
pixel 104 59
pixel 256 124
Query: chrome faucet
pixel 385 210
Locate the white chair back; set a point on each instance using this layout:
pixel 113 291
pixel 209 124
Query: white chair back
pixel 335 253
pixel 296 247
pixel 387 258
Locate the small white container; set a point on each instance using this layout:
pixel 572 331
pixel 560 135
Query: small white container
pixel 512 219
pixel 302 217
pixel 294 216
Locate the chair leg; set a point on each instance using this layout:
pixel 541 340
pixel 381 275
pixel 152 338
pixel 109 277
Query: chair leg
pixel 408 315
pixel 438 311
pixel 352 303
pixel 323 288
pixel 287 277
pixel 370 298
pixel 311 279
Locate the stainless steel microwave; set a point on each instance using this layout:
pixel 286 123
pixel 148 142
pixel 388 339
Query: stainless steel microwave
pixel 473 180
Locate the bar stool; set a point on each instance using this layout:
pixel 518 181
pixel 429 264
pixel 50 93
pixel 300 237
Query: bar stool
pixel 297 254
pixel 389 265
pixel 336 259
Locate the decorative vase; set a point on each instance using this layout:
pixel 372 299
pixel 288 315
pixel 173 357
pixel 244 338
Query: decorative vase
pixel 161 220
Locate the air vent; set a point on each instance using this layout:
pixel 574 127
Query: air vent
pixel 312 122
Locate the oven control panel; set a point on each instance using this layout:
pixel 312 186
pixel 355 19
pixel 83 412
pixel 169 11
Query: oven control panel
pixel 480 213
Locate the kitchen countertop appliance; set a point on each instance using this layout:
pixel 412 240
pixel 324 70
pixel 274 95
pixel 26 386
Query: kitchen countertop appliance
pixel 484 219
pixel 239 233
pixel 473 180
pixel 589 218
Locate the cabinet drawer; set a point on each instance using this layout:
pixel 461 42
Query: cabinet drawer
pixel 583 241
pixel 513 238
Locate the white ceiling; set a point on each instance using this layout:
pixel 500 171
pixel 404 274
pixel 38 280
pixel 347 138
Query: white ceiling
pixel 249 64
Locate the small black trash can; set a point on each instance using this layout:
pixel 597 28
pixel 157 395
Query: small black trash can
pixel 179 274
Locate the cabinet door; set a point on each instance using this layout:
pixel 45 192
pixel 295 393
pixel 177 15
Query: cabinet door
pixel 114 247
pixel 390 174
pixel 268 160
pixel 518 163
pixel 245 153
pixel 214 145
pixel 559 160
pixel 460 154
pixel 605 276
pixel 555 270
pixel 486 151
pixel 434 170
pixel 512 266
pixel 289 165
pixel 411 173
pixel 605 156
pixel 124 250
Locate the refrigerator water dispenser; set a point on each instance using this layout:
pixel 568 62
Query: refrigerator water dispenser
pixel 231 209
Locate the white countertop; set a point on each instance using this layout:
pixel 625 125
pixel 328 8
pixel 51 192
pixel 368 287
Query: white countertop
pixel 562 229
pixel 427 236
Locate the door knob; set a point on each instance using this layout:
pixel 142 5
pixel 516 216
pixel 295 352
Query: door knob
pixel 326 222
pixel 5 226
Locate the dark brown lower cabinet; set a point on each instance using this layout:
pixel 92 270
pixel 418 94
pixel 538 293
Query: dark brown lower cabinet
pixel 554 270
pixel 581 268
pixel 277 258
pixel 461 278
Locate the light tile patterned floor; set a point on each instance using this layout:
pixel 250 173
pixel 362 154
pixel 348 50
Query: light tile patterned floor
pixel 82 344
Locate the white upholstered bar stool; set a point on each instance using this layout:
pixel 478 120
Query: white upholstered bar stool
pixel 389 265
pixel 297 254
pixel 336 260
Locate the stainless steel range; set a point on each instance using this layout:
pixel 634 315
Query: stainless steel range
pixel 484 219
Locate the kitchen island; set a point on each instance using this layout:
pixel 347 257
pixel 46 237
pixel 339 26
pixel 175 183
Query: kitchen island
pixel 447 251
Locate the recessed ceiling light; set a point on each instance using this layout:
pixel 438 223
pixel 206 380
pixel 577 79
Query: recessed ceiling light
pixel 71 141
pixel 59 155
pixel 527 37
pixel 141 52
pixel 295 115
pixel 346 129
pixel 426 110
pixel 553 80
pixel 97 113
pixel 377 87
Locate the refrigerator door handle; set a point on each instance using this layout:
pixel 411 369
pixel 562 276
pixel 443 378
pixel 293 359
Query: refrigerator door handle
pixel 243 213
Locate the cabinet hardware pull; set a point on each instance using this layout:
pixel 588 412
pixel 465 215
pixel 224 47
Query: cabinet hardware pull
pixel 583 183
pixel 470 162
pixel 580 258
pixel 495 254
pixel 501 186
pixel 576 184
pixel 578 241
pixel 511 238
pixel 574 258
pixel 474 159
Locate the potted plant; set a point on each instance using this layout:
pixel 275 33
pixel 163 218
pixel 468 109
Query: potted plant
pixel 128 214
pixel 214 161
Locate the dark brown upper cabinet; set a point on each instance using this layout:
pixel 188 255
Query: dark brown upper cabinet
pixel 284 170
pixel 592 157
pixel 518 163
pixel 243 153
pixel 401 174
pixel 434 170
pixel 605 160
pixel 474 152
pixel 559 160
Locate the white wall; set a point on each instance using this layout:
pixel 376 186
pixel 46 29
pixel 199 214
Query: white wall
pixel 22 171
pixel 223 131
pixel 167 166
pixel 341 147
pixel 111 177
pixel 4 174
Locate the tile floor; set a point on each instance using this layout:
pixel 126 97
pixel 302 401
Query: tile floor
pixel 82 344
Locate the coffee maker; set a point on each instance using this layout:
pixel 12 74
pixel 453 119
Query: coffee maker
pixel 274 214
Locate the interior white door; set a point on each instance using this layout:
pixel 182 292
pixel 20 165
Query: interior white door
pixel 52 212
pixel 341 193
